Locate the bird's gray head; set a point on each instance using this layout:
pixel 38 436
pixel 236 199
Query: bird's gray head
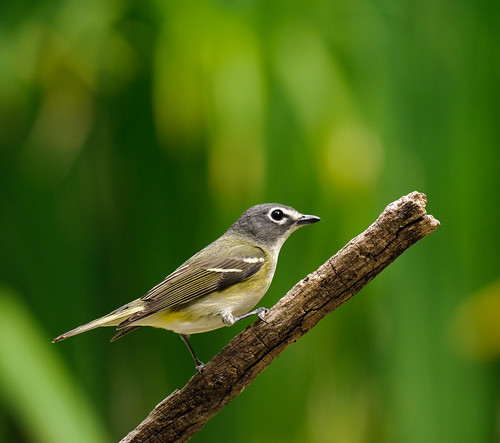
pixel 270 224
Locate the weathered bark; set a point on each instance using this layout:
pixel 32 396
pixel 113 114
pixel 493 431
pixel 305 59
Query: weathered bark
pixel 184 412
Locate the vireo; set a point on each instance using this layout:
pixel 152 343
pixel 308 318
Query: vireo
pixel 216 287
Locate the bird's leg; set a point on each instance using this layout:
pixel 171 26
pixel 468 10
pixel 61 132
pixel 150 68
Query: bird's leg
pixel 229 319
pixel 260 312
pixel 197 361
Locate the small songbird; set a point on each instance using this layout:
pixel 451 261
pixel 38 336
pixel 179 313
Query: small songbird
pixel 216 287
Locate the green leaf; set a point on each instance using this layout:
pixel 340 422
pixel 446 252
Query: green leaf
pixel 35 383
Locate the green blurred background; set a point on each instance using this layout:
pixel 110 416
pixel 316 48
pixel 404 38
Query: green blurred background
pixel 134 133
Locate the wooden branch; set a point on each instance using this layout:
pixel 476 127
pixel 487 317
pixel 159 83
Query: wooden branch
pixel 184 412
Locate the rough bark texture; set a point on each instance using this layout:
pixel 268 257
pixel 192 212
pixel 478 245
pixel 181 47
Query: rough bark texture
pixel 184 412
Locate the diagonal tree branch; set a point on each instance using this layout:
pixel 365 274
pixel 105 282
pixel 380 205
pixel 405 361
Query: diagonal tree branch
pixel 184 412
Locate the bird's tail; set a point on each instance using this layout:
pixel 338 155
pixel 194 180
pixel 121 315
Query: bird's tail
pixel 112 319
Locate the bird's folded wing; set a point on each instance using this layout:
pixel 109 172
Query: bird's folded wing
pixel 196 279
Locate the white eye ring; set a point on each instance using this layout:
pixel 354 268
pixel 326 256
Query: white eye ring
pixel 277 215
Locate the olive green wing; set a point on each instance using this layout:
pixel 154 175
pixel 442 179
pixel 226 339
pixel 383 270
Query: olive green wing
pixel 195 279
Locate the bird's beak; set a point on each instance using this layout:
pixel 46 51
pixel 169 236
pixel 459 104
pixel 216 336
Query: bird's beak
pixel 307 220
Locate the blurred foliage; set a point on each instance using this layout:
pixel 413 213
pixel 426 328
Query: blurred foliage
pixel 133 133
pixel 477 324
pixel 36 385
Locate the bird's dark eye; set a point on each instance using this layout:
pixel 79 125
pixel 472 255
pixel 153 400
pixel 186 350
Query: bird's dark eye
pixel 277 215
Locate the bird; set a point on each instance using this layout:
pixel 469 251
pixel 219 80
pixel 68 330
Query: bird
pixel 216 287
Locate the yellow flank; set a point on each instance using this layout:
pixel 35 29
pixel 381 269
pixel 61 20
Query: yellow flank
pixel 168 316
